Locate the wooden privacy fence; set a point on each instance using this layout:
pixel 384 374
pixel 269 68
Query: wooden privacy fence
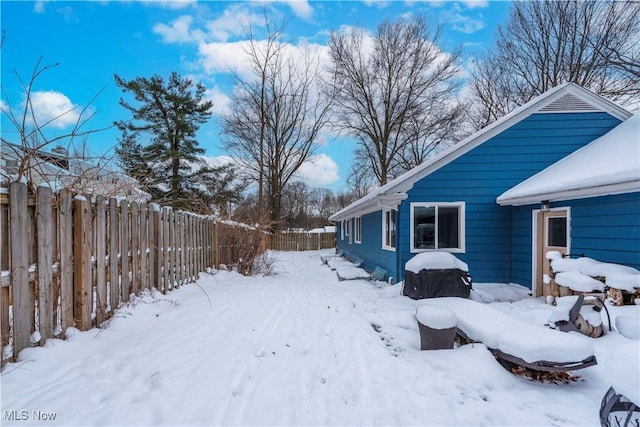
pixel 67 261
pixel 290 241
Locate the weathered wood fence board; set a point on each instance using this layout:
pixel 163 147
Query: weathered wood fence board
pixel 290 241
pixel 69 261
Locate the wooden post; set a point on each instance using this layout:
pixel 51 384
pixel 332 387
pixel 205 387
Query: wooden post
pixel 154 276
pixel 159 214
pixel 172 249
pixel 101 262
pixel 179 251
pixel 144 246
pixel 135 253
pixel 114 245
pixel 82 264
pixel 45 261
pixel 125 283
pixel 4 291
pixel 22 303
pixel 65 221
pixel 216 247
pixel 165 250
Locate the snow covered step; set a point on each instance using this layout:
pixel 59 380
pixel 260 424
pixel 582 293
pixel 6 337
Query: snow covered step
pixel 351 272
pixel 535 345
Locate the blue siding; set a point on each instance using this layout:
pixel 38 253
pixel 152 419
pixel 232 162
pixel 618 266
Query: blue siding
pixel 482 174
pixel 370 248
pixel 607 228
pixel 603 228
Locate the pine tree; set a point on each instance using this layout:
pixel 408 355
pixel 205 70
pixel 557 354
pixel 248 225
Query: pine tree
pixel 158 145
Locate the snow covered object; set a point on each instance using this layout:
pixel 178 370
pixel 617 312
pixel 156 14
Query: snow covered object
pixel 436 274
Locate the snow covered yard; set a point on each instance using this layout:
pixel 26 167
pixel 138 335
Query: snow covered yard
pixel 296 348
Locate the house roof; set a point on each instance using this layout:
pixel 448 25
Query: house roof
pixel 607 165
pixel 567 97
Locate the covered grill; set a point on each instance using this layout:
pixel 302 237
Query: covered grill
pixel 436 274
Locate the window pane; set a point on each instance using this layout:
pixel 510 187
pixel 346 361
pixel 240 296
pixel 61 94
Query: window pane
pixel 392 229
pixel 448 227
pixel 557 232
pixel 424 221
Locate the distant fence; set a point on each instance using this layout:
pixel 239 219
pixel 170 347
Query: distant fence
pixel 67 261
pixel 290 241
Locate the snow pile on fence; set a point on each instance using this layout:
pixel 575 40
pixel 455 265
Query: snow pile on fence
pixel 579 274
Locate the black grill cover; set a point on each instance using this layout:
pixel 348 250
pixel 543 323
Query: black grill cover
pixel 436 283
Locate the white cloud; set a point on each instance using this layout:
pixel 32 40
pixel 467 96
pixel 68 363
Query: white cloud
pixel 3 105
pixel 220 100
pixel 472 4
pixel 232 22
pixel 301 8
pixel 171 4
pixel 177 32
pixel 319 170
pixel 465 24
pixel 38 7
pixel 52 108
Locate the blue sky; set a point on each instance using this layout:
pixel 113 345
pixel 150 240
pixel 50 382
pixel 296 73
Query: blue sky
pixel 91 41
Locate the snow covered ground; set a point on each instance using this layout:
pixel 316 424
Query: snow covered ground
pixel 296 348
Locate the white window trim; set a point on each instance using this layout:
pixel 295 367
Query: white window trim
pixel 357 229
pixel 348 230
pixel 384 230
pixel 461 226
pixel 342 227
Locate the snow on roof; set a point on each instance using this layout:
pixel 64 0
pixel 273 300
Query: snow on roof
pixel 394 190
pixel 435 261
pixel 607 165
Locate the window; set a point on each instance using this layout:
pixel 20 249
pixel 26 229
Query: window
pixel 557 232
pixel 389 229
pixel 343 225
pixel 357 229
pixel 437 226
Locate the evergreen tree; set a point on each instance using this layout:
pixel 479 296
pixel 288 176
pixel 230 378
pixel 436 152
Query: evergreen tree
pixel 159 148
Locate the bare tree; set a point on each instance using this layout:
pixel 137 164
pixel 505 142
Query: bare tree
pixel 546 43
pixel 389 88
pixel 276 115
pixel 39 158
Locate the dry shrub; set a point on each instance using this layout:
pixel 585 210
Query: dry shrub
pixel 243 248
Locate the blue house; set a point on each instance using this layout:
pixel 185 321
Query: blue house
pixel 489 199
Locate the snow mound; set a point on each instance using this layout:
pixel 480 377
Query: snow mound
pixel 623 370
pixel 499 330
pixel 436 317
pixel 435 261
pixel 578 273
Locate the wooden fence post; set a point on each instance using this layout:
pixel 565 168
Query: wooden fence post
pixel 125 283
pixel 216 249
pixel 144 246
pixel 82 264
pixel 22 303
pixel 114 245
pixel 65 221
pixel 45 260
pixel 135 242
pixel 101 262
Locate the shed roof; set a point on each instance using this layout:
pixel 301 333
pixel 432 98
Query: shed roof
pixel 567 97
pixel 607 165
